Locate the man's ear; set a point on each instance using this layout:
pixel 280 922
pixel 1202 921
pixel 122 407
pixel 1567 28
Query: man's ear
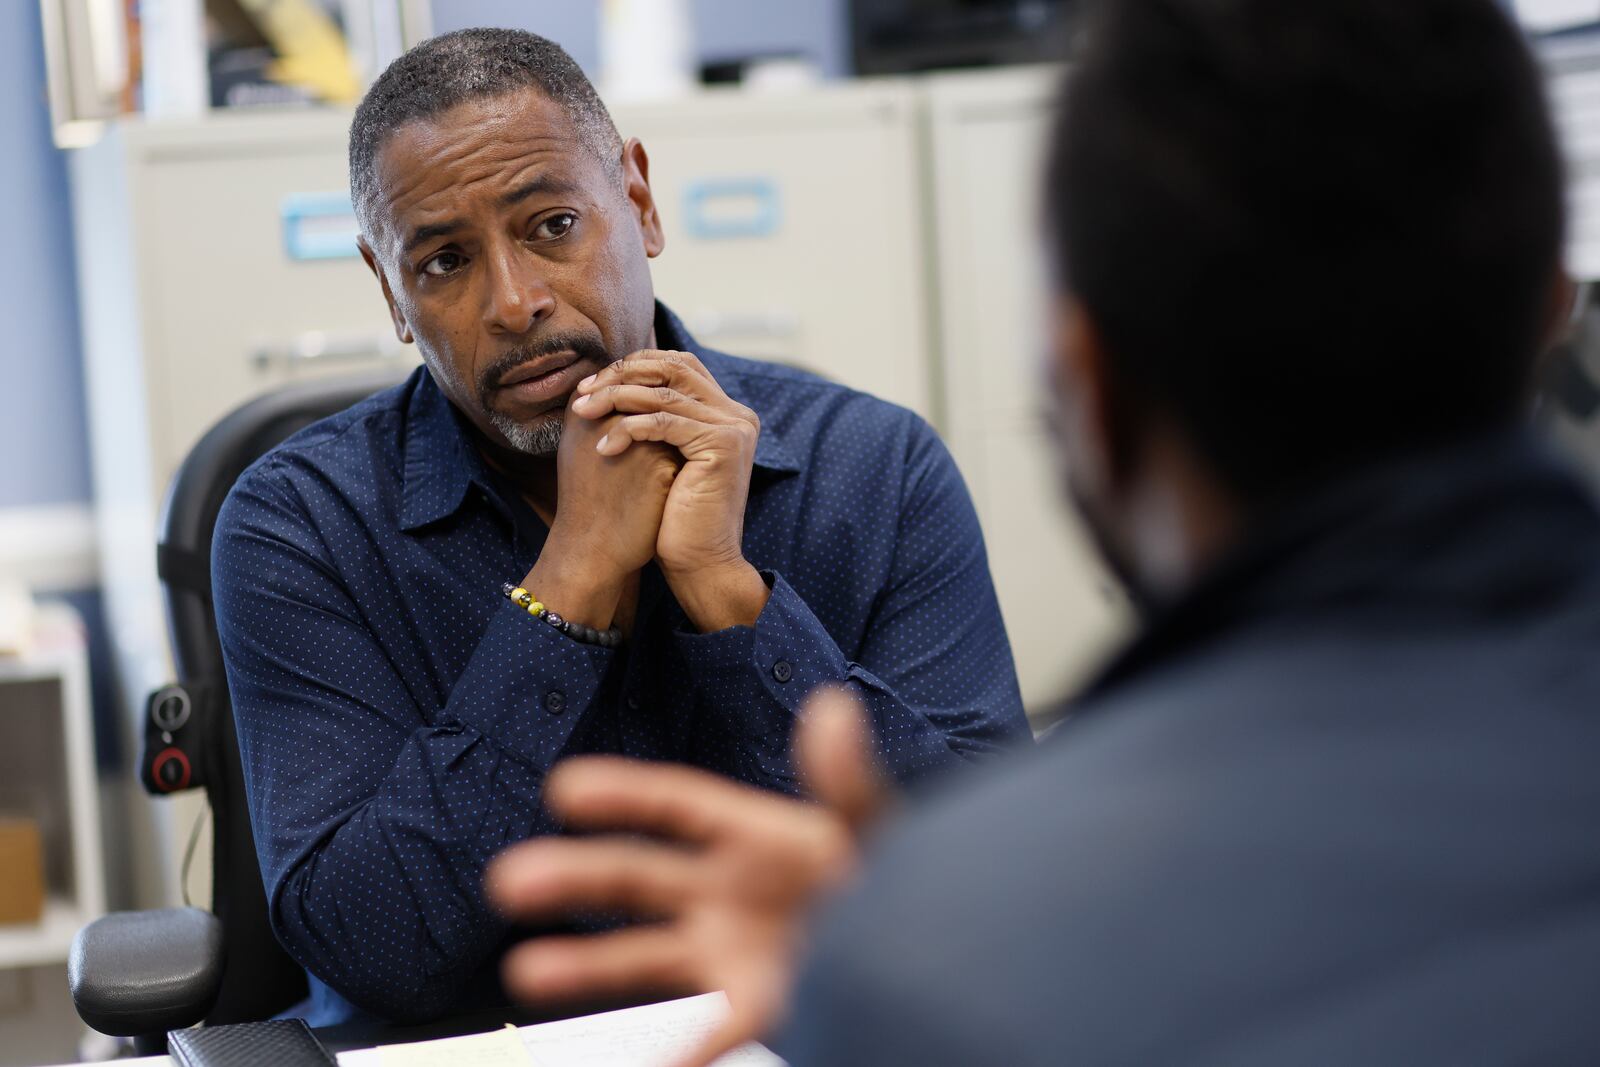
pixel 1096 417
pixel 636 185
pixel 401 329
pixel 1563 305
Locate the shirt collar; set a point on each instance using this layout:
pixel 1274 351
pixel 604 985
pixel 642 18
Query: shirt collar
pixel 772 452
pixel 442 464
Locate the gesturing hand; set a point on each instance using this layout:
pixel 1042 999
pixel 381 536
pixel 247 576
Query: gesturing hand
pixel 731 874
pixel 670 397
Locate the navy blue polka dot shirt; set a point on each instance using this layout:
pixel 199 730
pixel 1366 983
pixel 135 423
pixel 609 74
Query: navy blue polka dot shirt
pixel 397 714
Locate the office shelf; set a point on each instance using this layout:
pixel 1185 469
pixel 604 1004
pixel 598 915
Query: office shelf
pixel 47 941
pixel 47 774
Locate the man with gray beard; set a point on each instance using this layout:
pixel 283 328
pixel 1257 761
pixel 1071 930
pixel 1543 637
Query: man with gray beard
pixel 575 530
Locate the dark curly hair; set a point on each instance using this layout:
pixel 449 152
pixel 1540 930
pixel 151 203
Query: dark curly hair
pixel 1316 233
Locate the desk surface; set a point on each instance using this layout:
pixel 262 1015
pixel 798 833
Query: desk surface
pixel 619 1033
pixel 348 1037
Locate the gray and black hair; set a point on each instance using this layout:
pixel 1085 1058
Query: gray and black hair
pixel 455 68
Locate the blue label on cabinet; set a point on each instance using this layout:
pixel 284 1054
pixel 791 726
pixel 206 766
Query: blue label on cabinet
pixel 319 226
pixel 726 208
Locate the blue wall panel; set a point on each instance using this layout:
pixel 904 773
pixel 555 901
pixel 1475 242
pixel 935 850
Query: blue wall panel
pixel 43 450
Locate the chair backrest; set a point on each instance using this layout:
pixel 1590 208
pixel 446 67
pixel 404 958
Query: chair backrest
pixel 259 979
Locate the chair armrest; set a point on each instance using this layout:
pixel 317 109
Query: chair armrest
pixel 134 973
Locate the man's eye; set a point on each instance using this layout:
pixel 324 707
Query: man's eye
pixel 442 264
pixel 556 226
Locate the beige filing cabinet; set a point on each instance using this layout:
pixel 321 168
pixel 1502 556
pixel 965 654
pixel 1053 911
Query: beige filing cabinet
pixel 1572 69
pixel 795 228
pixel 238 236
pixel 1574 73
pixel 987 133
pixel 214 264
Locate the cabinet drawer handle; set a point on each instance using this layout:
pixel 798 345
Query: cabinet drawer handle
pixel 315 346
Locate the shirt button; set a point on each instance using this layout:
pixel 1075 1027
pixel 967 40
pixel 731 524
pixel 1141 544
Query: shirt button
pixel 633 702
pixel 555 702
pixel 782 671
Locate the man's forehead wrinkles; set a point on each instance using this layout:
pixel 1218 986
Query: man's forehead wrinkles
pixel 416 193
pixel 482 145
pixel 404 167
pixel 484 126
pixel 429 160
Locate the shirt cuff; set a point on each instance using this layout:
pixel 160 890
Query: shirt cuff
pixel 753 678
pixel 527 686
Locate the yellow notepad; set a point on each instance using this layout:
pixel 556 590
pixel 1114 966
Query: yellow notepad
pixel 497 1048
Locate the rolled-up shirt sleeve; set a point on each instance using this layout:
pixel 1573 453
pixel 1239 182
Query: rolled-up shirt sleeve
pixel 374 814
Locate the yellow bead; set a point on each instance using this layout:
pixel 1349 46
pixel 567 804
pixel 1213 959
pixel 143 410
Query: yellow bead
pixel 535 608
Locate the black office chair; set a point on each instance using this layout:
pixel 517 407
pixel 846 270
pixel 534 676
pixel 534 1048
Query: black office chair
pixel 140 974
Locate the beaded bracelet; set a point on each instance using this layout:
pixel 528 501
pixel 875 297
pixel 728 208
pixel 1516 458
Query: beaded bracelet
pixel 576 630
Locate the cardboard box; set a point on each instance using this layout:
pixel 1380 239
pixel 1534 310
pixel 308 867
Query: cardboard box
pixel 21 871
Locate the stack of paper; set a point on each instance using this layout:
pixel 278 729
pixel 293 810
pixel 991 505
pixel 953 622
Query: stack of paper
pixel 651 1036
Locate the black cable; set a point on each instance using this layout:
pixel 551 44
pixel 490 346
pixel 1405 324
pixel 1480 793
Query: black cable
pixel 188 853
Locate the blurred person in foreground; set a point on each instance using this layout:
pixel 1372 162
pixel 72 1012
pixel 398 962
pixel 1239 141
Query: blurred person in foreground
pixel 1338 803
pixel 575 529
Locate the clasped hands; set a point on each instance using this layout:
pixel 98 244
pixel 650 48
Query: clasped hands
pixel 727 875
pixel 654 463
